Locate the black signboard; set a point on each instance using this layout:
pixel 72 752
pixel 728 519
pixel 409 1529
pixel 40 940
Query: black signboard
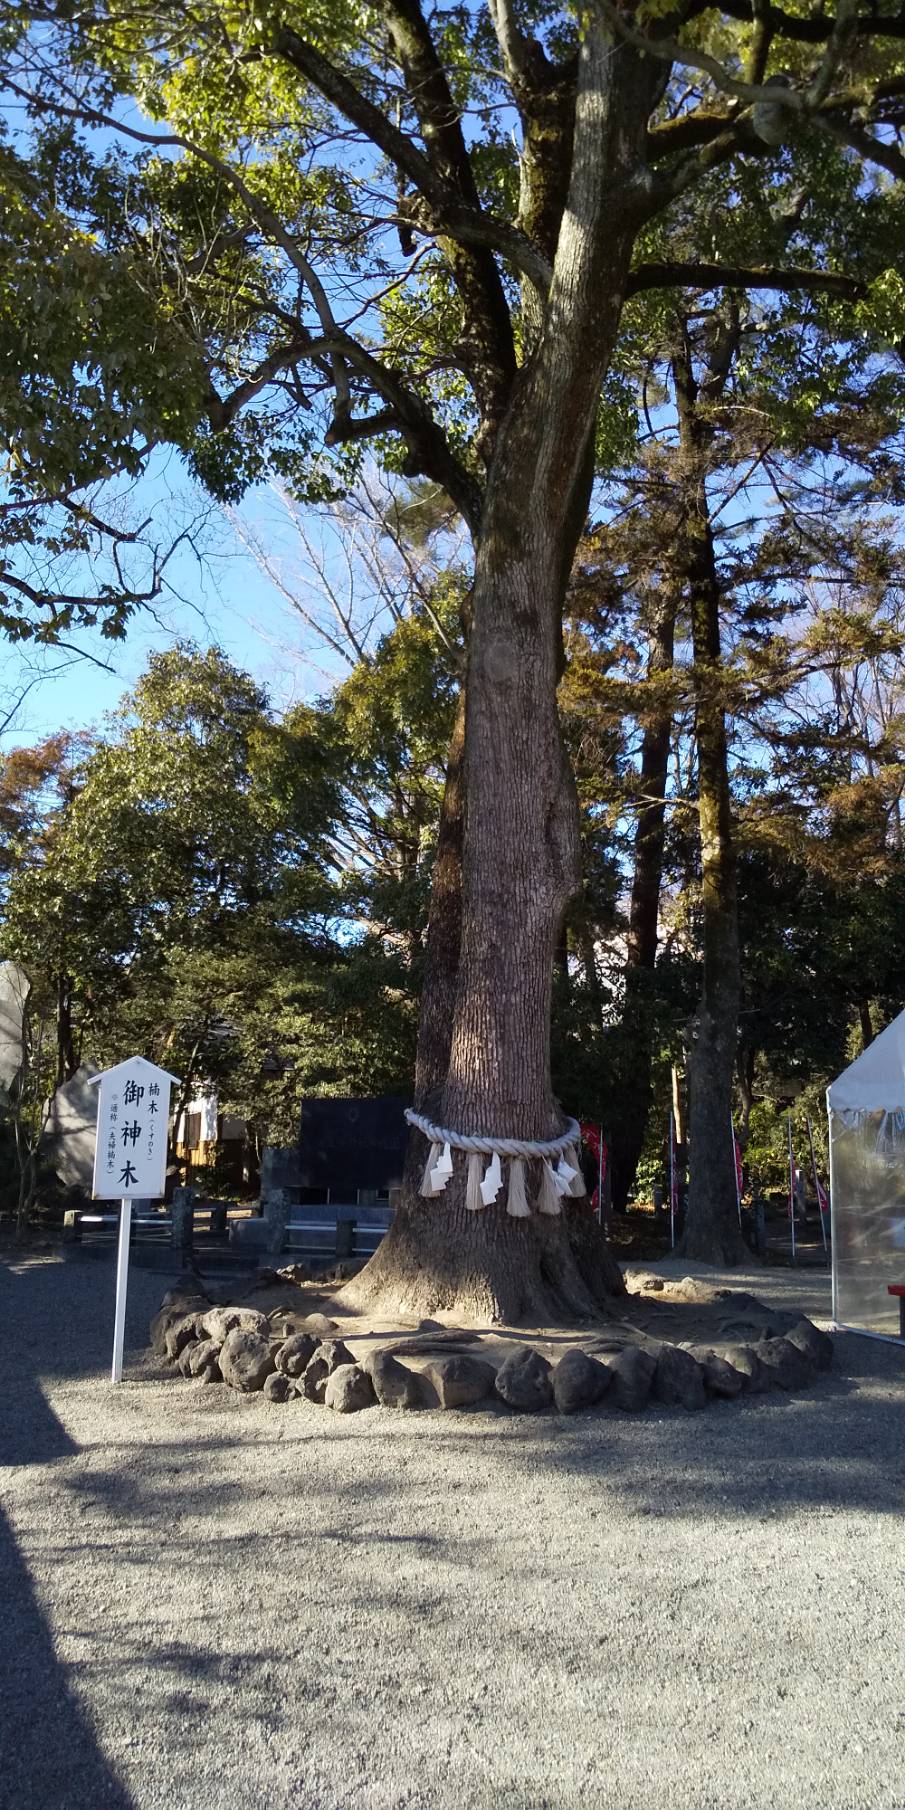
pixel 350 1144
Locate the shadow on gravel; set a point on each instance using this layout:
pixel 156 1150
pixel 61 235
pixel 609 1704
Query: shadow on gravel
pixel 50 1759
pixel 30 1432
pixel 835 1447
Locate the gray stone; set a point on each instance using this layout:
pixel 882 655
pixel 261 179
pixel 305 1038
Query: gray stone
pixel 181 1332
pixel 202 1355
pixel 278 1388
pixel 15 987
pixel 287 1324
pixel 523 1381
pixel 208 1373
pixel 348 1389
pixel 814 1343
pixel 187 1296
pixel 183 1362
pixel 246 1360
pixel 678 1379
pixel 248 1236
pixel 320 1325
pixel 219 1322
pixel 395 1386
pixel 68 1142
pixel 295 1354
pixel 633 1372
pixel 277 1207
pixel 579 1381
pixel 331 1355
pixel 720 1378
pixel 787 1367
pixel 160 1326
pixel 461 1380
pixel 745 1360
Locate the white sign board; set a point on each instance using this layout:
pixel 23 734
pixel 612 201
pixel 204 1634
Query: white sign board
pixel 133 1110
pixel 130 1159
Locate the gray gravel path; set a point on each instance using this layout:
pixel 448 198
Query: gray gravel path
pixel 208 1603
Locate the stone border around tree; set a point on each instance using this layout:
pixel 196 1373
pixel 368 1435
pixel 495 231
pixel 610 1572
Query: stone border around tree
pixel 238 1346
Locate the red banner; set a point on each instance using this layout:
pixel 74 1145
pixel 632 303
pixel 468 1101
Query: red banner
pixel 592 1136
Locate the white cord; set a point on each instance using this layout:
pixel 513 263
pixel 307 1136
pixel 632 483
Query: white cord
pixel 513 1147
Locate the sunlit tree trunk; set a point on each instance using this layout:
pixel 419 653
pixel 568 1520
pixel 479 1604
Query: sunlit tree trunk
pixel 520 863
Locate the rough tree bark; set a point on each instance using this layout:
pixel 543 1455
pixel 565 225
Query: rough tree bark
pixel 521 845
pixel 711 1228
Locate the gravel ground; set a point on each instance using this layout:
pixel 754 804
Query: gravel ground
pixel 209 1603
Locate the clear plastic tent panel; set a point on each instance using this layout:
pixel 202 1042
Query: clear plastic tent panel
pixel 867 1153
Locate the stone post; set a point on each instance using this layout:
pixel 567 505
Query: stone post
pixel 277 1207
pixel 182 1234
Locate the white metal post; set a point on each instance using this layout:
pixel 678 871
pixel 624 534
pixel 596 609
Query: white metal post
pixel 816 1182
pixel 122 1283
pixel 600 1177
pixel 791 1187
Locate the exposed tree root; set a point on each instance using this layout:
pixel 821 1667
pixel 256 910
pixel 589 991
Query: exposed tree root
pixel 487 1267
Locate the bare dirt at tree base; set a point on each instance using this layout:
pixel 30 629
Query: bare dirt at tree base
pixel 674 1308
pixel 211 1601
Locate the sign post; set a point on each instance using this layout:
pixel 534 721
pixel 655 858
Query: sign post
pixel 791 1187
pixel 130 1159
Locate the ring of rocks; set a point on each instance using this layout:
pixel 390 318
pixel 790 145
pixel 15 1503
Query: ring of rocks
pixel 285 1355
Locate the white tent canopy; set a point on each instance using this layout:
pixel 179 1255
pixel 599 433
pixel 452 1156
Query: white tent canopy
pixel 875 1081
pixel 867 1185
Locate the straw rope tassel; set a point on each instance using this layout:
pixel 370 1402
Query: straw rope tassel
pixel 517 1202
pixel 548 1198
pixel 427 1187
pixel 473 1200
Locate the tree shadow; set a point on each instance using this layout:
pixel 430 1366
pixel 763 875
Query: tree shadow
pixel 51 1760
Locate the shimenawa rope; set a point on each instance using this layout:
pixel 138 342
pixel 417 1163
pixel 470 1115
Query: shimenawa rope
pixel 555 1183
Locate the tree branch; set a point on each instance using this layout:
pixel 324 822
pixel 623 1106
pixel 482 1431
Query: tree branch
pixel 487 322
pixel 816 28
pixel 872 149
pixel 524 59
pixel 739 276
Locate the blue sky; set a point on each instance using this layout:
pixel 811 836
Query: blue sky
pixel 220 597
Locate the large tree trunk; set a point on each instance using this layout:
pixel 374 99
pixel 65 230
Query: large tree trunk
pixel 712 1233
pixel 444 930
pixel 521 846
pixel 641 951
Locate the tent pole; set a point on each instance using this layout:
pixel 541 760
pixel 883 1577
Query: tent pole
pixel 816 1179
pixel 834 1280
